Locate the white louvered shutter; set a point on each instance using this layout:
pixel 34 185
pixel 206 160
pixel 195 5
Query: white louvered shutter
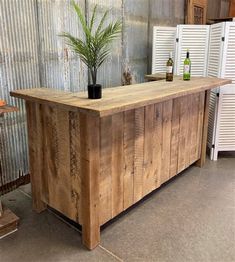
pixel 221 63
pixel 212 118
pixel 163 44
pixel 225 127
pixel 215 55
pixel 216 47
pixel 228 63
pixel 196 39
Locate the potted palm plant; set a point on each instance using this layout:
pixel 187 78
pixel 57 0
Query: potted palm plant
pixel 95 48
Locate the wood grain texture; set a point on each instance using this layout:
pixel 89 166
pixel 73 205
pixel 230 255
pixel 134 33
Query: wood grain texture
pixel 129 155
pixel 8 222
pixel 166 140
pixel 105 169
pixel 203 116
pixel 7 109
pixel 75 165
pixel 90 171
pixel 175 130
pixel 183 134
pixel 117 163
pixel 148 174
pixel 35 154
pixel 1 209
pixel 139 153
pixel 123 98
pixel 158 143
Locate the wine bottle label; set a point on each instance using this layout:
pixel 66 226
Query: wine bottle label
pixel 186 69
pixel 169 69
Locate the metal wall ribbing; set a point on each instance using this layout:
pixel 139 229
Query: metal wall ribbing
pixel 32 55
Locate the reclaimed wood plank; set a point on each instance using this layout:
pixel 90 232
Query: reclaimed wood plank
pixel 62 197
pixel 166 139
pixel 117 163
pixel 148 173
pixel 8 109
pixel 194 130
pixel 105 169
pixel 123 98
pixel 35 154
pixel 183 134
pixel 157 144
pixel 189 126
pixel 204 101
pixel 90 171
pixel 175 128
pixel 51 153
pixel 75 166
pixel 139 154
pixel 129 153
pixel 8 222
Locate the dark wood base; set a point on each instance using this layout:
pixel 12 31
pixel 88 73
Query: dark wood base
pixel 8 222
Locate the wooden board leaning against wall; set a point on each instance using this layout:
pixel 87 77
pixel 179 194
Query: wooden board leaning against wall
pixel 196 11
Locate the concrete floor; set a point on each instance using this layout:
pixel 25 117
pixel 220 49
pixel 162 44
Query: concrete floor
pixel 191 218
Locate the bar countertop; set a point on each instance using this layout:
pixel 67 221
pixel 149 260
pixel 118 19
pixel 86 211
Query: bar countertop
pixel 118 99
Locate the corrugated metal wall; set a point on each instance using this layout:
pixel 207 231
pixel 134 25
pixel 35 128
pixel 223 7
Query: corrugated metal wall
pixel 32 55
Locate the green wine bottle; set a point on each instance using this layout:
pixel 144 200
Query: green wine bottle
pixel 187 67
pixel 169 68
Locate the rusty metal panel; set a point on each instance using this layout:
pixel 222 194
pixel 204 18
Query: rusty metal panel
pixel 135 40
pixel 18 69
pixel 60 68
pixel 33 55
pixel 109 75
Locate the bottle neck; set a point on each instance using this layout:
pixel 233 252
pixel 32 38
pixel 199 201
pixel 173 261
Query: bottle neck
pixel 187 56
pixel 170 55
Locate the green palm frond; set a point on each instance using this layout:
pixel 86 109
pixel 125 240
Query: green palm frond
pixel 102 22
pixel 93 18
pixel 95 48
pixel 82 19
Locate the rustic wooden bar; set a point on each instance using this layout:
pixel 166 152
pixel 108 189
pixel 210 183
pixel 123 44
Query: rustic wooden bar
pixel 92 159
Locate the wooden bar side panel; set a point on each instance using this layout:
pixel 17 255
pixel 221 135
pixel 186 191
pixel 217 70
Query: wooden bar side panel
pixel 59 180
pixel 157 144
pixel 166 140
pixel 75 165
pixel 195 121
pixel 105 169
pixel 90 172
pixel 139 154
pixel 205 99
pixel 183 134
pixel 129 153
pixel 34 124
pixel 175 128
pixel 148 173
pixel 117 163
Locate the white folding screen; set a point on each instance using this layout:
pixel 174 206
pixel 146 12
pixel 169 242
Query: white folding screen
pixel 196 39
pixel 225 126
pixel 221 63
pixel 216 47
pixel 228 61
pixel 163 44
pixel 212 52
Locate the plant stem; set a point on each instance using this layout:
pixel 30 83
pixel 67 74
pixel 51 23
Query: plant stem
pixel 93 75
